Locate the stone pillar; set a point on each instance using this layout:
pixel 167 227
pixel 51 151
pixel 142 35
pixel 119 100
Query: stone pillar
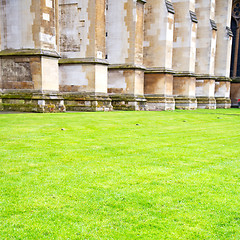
pixel 184 54
pixel 223 53
pixel 125 53
pixel 83 68
pixel 29 55
pixel 158 47
pixel 205 56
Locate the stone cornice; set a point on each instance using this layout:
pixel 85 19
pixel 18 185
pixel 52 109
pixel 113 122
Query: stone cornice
pixel 236 80
pixel 159 70
pixel 184 74
pixel 83 61
pixel 221 78
pixel 126 66
pixel 29 52
pixel 204 76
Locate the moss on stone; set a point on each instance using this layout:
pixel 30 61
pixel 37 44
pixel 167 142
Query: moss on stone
pixel 21 107
pixel 17 95
pixel 29 52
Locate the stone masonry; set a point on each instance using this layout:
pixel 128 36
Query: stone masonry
pixel 103 55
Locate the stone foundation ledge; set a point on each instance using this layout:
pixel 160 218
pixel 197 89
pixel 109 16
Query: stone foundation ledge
pixel 235 80
pixel 185 103
pixel 206 103
pixel 31 102
pixel 29 52
pixel 128 102
pixel 87 102
pixel 222 102
pixel 160 103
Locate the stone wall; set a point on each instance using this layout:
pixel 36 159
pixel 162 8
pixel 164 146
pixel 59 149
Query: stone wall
pixel 99 55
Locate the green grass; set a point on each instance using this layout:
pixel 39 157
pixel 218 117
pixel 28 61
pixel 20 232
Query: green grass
pixel 175 175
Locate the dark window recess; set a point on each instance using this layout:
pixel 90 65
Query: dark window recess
pixel 229 32
pixel 193 16
pixel 213 25
pixel 234 30
pixel 170 7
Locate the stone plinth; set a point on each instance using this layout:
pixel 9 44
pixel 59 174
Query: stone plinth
pixel 205 86
pixel 87 102
pixel 222 92
pixel 128 102
pixel 159 103
pixel 158 89
pixel 184 85
pixel 125 86
pixel 31 102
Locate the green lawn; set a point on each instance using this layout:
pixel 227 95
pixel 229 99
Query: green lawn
pixel 120 175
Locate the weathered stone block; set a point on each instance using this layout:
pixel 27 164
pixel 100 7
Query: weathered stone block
pixel 160 103
pixel 31 102
pixel 128 102
pixel 206 103
pixel 89 102
pixel 223 102
pixel 185 103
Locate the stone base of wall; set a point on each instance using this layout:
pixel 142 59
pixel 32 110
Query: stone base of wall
pixel 53 102
pixel 222 92
pixel 159 103
pixel 235 92
pixel 128 102
pixel 87 102
pixel 31 102
pixel 206 103
pixel 223 102
pixel 185 103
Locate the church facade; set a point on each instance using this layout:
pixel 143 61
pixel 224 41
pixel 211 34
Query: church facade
pixel 103 55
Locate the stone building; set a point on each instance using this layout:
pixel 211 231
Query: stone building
pixel 102 55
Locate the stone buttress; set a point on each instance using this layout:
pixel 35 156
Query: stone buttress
pixel 100 55
pixel 158 48
pixel 125 22
pixel 29 56
pixel 184 54
pixel 83 68
pixel 205 56
pixel 223 53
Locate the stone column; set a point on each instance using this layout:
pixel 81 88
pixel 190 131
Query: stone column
pixel 205 57
pixel 184 54
pixel 83 68
pixel 158 47
pixel 223 53
pixel 29 55
pixel 125 20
